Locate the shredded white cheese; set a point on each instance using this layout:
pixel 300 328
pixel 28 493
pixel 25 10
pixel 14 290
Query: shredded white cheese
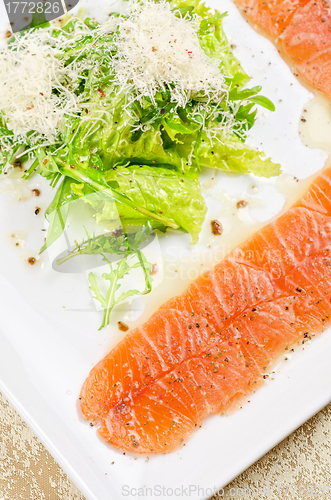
pixel 156 48
pixel 30 72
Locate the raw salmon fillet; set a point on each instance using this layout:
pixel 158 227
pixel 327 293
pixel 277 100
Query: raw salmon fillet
pixel 207 350
pixel 302 32
pixel 307 41
pixel 273 16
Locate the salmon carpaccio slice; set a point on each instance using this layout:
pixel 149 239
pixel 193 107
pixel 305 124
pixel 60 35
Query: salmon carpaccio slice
pixel 307 41
pixel 301 30
pixel 208 349
pixel 273 16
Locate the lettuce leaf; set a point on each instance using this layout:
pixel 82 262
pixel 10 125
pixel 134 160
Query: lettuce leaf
pixel 175 195
pixel 214 41
pixel 229 154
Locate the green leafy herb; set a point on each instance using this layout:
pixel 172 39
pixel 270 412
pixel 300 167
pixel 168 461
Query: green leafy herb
pixel 57 212
pixel 263 101
pixel 127 244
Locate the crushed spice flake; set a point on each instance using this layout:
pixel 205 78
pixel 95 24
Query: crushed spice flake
pixel 216 227
pixel 122 326
pixel 242 204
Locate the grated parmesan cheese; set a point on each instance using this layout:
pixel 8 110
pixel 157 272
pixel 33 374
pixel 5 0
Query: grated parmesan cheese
pixel 30 72
pixel 156 48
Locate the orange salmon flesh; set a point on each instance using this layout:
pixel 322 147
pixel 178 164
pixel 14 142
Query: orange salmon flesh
pixel 302 32
pixel 207 350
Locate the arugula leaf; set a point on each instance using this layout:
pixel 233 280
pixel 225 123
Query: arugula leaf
pixel 247 116
pixel 57 212
pixel 263 101
pixel 181 11
pixel 120 242
pixel 210 21
pixel 126 238
pixel 239 95
pixel 109 300
pixel 251 94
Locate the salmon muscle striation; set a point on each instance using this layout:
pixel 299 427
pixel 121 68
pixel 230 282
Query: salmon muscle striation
pixel 307 41
pixel 272 16
pixel 301 30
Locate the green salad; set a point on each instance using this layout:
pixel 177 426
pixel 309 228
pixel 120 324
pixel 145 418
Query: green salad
pixel 123 115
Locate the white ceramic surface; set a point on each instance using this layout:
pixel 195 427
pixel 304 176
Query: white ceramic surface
pixel 46 352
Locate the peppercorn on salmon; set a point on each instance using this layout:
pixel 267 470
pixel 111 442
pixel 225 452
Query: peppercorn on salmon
pixel 302 32
pixel 207 350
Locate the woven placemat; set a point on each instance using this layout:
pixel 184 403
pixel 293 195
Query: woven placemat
pixel 29 472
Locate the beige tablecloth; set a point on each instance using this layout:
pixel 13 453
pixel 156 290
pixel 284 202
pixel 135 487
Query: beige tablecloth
pixel 28 471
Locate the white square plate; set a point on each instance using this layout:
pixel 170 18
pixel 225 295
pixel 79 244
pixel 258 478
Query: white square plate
pixel 47 351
